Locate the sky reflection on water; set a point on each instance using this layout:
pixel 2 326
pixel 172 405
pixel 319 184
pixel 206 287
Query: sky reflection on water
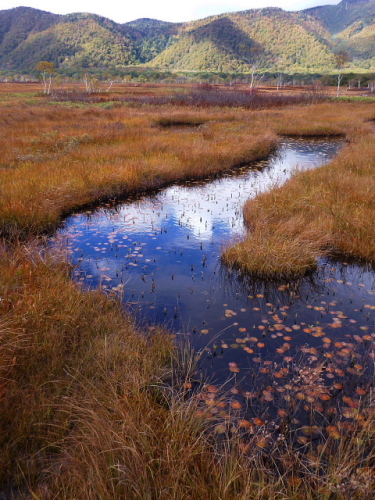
pixel 161 253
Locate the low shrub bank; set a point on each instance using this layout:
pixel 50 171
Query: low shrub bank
pixel 201 96
pixel 206 96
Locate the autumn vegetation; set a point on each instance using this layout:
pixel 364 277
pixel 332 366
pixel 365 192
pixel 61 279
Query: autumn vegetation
pixel 268 39
pixel 328 211
pixel 91 406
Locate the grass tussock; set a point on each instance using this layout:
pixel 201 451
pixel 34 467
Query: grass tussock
pixel 93 408
pixel 57 158
pixel 57 345
pixel 330 209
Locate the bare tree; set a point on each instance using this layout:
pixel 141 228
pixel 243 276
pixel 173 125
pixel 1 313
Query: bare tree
pixel 279 80
pixel 256 61
pixel 111 82
pixel 341 60
pixel 46 69
pixel 91 83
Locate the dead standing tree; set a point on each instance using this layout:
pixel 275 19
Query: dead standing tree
pixel 341 60
pixel 91 83
pixel 256 61
pixel 46 69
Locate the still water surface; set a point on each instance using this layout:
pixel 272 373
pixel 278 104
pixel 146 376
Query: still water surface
pixel 161 253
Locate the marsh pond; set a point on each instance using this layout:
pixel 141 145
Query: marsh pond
pixel 264 341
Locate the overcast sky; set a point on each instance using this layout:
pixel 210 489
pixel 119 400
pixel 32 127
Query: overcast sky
pixel 165 10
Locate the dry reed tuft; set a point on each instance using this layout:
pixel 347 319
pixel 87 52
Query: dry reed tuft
pixel 55 341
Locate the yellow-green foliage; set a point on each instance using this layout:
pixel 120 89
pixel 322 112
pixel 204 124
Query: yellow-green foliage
pixel 75 40
pixel 285 41
pixel 359 41
pixel 234 42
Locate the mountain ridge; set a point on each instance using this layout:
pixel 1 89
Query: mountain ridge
pixel 270 38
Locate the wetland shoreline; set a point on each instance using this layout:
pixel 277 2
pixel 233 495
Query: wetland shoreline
pixel 82 390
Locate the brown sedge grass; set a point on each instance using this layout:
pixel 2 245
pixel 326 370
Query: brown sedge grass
pixel 317 212
pixel 60 159
pixel 99 423
pixel 84 413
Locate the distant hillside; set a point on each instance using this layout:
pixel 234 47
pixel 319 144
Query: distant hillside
pixel 352 24
pixel 270 39
pixel 337 18
pixel 285 41
pixel 74 40
pixel 17 25
pixel 151 37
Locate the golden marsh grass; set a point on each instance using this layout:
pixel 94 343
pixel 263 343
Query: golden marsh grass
pixel 91 407
pixel 329 210
pixel 57 159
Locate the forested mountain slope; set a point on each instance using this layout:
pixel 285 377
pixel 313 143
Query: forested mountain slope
pixel 269 39
pixel 276 39
pixel 352 26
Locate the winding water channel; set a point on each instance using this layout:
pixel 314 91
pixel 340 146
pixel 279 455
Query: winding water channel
pixel 161 253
